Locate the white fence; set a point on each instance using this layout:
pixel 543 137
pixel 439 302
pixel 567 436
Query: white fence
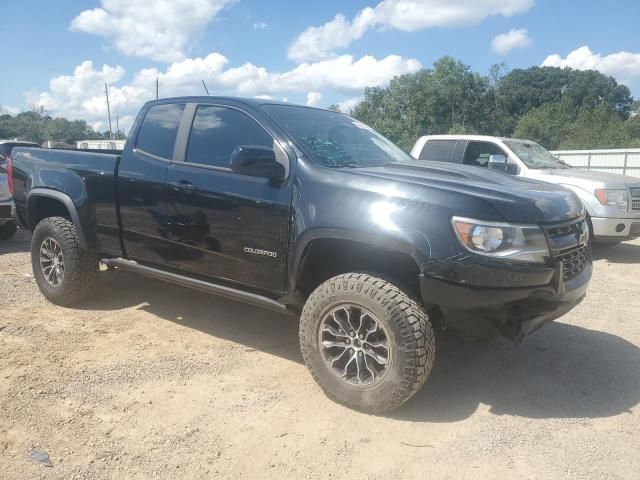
pixel 625 161
pixel 101 144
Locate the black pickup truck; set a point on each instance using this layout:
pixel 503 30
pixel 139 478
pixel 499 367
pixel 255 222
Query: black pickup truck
pixel 309 212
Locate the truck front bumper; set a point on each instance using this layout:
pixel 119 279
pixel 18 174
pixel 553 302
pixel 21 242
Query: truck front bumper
pixel 510 312
pixel 615 229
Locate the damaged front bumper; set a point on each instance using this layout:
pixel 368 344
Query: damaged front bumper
pixel 513 312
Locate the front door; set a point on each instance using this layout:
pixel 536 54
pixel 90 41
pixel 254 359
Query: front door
pixel 222 224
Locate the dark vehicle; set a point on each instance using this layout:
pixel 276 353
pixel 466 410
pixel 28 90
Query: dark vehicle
pixel 7 225
pixel 309 212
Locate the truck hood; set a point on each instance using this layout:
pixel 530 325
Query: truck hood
pixel 516 199
pixel 585 179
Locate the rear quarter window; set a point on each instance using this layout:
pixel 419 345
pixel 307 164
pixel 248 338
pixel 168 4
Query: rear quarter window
pixel 157 134
pixel 438 150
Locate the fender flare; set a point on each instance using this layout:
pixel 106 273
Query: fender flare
pixel 407 247
pixel 62 198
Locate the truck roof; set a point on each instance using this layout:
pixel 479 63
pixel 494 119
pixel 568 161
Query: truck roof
pixel 471 137
pixel 252 102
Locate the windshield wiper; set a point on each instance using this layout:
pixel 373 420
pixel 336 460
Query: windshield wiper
pixel 566 165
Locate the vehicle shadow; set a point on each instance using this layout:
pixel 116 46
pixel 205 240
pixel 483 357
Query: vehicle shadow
pixel 622 253
pixel 254 327
pixel 561 371
pixel 20 242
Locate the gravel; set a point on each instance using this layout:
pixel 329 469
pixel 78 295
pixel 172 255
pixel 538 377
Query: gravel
pixel 148 380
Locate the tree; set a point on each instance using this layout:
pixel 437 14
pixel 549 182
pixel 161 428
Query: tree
pixel 556 107
pixel 37 125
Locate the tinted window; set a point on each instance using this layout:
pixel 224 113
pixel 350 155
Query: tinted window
pixel 335 140
pixel 157 134
pixel 438 150
pixel 478 153
pixel 217 131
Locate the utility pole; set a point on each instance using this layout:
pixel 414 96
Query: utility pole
pixel 117 127
pixel 156 88
pixel 205 87
pixel 106 92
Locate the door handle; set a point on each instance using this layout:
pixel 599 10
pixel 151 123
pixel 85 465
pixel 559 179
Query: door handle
pixel 184 186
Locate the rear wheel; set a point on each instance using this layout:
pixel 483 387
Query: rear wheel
pixel 8 230
pixel 367 343
pixel 65 273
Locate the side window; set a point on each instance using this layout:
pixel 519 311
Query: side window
pixel 438 150
pixel 157 134
pixel 217 131
pixel 478 153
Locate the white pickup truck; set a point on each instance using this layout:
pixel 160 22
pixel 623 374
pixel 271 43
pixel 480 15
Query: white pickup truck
pixel 612 201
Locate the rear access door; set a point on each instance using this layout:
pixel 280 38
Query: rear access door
pixel 141 181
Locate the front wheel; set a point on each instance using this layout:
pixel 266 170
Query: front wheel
pixel 65 273
pixel 368 344
pixel 8 230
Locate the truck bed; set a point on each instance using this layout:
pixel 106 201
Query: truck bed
pixel 87 178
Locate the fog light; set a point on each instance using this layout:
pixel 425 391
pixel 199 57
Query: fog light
pixel 620 228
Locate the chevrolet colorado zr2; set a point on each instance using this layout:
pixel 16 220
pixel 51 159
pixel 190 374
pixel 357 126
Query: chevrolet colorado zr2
pixel 312 213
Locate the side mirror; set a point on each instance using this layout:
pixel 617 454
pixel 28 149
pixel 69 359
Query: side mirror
pixel 500 163
pixel 257 161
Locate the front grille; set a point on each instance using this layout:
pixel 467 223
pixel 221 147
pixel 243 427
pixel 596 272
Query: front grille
pixel 573 262
pixel 635 198
pixel 567 229
pixel 569 247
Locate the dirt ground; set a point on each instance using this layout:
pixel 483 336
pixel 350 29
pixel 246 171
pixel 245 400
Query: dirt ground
pixel 149 380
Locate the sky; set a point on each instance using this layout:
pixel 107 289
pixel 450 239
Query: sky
pixel 59 55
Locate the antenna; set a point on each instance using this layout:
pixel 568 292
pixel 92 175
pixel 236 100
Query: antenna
pixel 205 87
pixel 106 92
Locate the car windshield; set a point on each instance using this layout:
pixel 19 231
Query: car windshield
pixel 534 155
pixel 335 140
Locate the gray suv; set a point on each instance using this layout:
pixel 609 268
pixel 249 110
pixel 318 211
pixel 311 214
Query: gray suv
pixel 7 225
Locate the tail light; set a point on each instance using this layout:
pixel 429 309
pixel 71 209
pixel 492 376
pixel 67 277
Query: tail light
pixel 9 168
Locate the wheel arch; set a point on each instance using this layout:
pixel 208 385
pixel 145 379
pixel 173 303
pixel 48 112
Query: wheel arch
pixel 325 257
pixel 44 203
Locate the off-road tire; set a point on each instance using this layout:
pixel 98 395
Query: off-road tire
pixel 80 266
pixel 8 230
pixel 411 337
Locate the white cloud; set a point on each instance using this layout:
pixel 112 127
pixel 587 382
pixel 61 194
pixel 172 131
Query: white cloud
pixel 8 109
pixel 158 29
pixel 624 66
pixel 81 94
pixel 347 105
pixel 406 15
pixel 260 26
pixel 313 99
pixel 505 42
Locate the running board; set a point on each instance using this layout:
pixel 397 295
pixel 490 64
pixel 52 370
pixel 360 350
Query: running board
pixel 220 290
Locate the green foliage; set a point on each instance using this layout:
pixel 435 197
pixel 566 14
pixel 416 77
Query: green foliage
pixel 559 108
pixel 38 126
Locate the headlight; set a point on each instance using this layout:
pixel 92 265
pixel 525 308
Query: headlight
pixel 613 198
pixel 502 240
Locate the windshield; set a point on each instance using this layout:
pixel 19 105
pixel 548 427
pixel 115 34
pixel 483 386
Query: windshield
pixel 534 155
pixel 334 139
